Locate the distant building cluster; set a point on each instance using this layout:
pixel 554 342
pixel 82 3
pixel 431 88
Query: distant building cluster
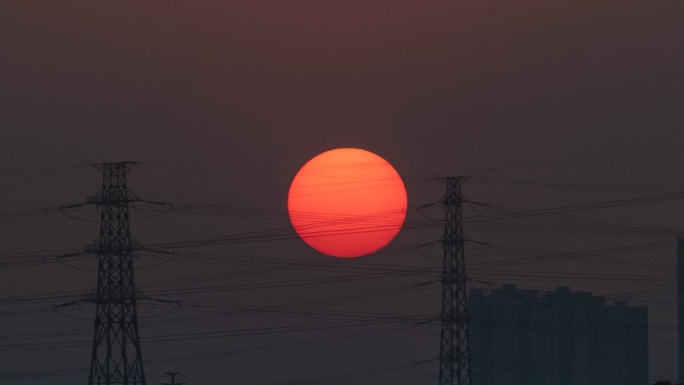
pixel 528 337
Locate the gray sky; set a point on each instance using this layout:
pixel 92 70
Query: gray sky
pixel 254 89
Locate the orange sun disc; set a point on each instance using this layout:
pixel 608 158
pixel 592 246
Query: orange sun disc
pixel 347 202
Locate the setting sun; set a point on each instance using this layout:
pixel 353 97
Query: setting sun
pixel 347 202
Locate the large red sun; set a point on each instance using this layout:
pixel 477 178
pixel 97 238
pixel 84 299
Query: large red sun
pixel 347 202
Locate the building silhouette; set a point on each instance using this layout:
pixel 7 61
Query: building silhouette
pixel 680 307
pixel 528 337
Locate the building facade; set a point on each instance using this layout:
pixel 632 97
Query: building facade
pixel 680 307
pixel 561 337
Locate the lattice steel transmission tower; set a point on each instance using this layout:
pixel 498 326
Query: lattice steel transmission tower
pixel 454 353
pixel 116 357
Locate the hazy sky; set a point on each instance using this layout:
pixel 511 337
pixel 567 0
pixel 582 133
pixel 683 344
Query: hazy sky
pixel 254 89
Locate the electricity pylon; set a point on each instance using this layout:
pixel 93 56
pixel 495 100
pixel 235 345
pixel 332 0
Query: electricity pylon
pixel 116 357
pixel 173 379
pixel 454 353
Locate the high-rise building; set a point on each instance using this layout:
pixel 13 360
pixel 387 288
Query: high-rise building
pixel 528 337
pixel 680 307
